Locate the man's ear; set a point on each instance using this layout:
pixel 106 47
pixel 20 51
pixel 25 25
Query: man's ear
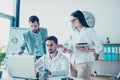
pixel 38 24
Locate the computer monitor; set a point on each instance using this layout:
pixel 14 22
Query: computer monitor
pixel 22 66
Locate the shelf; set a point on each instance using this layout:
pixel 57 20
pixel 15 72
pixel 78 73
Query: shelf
pixel 111 44
pixel 108 68
pixel 105 61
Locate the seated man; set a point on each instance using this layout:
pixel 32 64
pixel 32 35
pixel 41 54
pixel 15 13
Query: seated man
pixel 53 61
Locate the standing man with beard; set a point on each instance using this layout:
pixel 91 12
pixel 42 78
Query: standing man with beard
pixel 34 39
pixel 53 61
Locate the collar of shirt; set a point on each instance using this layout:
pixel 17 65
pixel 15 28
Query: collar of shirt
pixel 36 33
pixel 83 29
pixel 55 58
pixel 78 34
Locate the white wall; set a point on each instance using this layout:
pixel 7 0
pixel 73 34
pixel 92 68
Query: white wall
pixel 55 16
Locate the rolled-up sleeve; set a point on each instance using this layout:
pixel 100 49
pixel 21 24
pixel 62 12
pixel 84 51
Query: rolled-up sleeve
pixel 96 41
pixel 39 62
pixel 23 44
pixel 22 47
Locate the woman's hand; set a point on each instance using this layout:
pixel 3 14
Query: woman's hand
pixel 82 48
pixel 68 51
pixel 59 46
pixel 85 49
pixel 65 50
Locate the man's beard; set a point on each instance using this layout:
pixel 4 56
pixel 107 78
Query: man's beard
pixel 51 52
pixel 35 31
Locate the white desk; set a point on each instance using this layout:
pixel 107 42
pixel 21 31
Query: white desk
pixel 59 78
pixel 6 76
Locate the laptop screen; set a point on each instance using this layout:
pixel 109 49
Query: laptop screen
pixel 22 66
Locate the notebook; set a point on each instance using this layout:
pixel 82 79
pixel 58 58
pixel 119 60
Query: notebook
pixel 22 66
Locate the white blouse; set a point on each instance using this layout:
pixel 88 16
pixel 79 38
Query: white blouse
pixel 86 35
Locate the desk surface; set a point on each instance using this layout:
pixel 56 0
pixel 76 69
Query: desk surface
pixel 59 78
pixel 6 76
pixel 51 78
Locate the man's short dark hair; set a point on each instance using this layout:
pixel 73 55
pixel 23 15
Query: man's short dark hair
pixel 53 38
pixel 33 19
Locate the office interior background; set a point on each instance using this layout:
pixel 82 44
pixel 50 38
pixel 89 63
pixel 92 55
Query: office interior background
pixel 55 16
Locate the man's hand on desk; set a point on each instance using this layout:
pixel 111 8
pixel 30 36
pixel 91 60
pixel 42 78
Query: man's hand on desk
pixel 17 53
pixel 49 73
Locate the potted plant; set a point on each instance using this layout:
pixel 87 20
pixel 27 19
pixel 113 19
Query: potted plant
pixel 2 55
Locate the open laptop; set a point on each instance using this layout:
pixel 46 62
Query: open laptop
pixel 22 66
